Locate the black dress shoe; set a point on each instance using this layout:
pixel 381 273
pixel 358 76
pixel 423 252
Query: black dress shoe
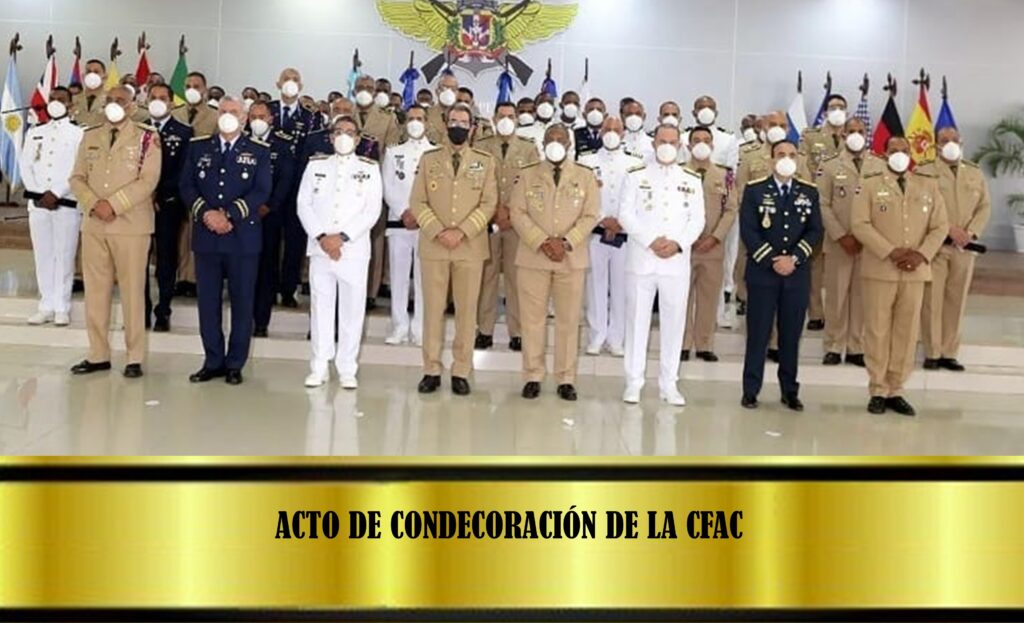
pixel 429 384
pixel 133 371
pixel 259 332
pixel 899 405
pixel 876 405
pixel 773 355
pixel 304 288
pixel 515 344
pixel 749 401
pixel 831 359
pixel 855 360
pixel 684 355
pixel 88 367
pixel 206 374
pixel 162 324
pixel 371 304
pixel 460 386
pixel 483 342
pixel 815 325
pixel 707 355
pixel 951 364
pixel 567 392
pixel 793 402
pixel 288 300
pixel 78 285
pixel 531 390
pixel 449 310
pixel 931 364
pixel 233 377
pixel 384 292
pixel 741 310
pixel 148 322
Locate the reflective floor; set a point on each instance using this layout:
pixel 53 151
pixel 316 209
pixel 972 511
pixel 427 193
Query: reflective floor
pixel 44 410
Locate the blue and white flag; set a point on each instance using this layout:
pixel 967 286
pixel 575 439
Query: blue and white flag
pixel 796 115
pixel 13 118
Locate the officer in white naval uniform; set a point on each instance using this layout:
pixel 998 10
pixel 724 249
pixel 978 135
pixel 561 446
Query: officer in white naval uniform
pixel 399 170
pixel 606 279
pixel 662 212
pixel 53 215
pixel 338 203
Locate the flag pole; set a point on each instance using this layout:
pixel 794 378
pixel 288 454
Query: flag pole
pixel 14 48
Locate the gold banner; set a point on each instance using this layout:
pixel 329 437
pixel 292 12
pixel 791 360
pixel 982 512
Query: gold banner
pixel 804 544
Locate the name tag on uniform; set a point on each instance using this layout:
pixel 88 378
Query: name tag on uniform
pixel 476 166
pixel 246 158
pixel 361 176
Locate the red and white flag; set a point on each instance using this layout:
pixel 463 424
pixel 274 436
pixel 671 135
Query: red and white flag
pixel 41 94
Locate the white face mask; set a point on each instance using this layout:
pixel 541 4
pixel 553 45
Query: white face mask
pixel 259 127
pixel 113 112
pixel 92 81
pixel 364 99
pixel 570 111
pixel 611 140
pixel 381 99
pixel 667 154
pixel 446 97
pixel 706 116
pixel 525 118
pixel 545 111
pixel 247 103
pixel 749 135
pixel 415 128
pixel 899 162
pixel 505 126
pixel 554 152
pixel 634 123
pixel 228 123
pixel 855 142
pixel 785 167
pixel 775 134
pixel 344 144
pixel 952 152
pixel 213 103
pixel 158 109
pixel 56 109
pixel 701 151
pixel 595 117
pixel 836 117
pixel 193 96
pixel 671 120
pixel 290 88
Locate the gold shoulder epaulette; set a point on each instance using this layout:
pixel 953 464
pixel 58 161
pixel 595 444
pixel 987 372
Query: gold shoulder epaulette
pixel 805 182
pixel 584 166
pixel 259 141
pixel 870 174
pixel 319 157
pixel 367 160
pixel 752 146
pixel 145 126
pixel 200 138
pixel 482 152
pixel 524 139
pixel 970 163
pixel 284 135
pixel 86 128
pixel 531 164
pixel 758 180
pixel 687 169
pixel 639 167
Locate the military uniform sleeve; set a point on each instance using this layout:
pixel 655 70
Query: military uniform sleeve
pixel 938 226
pixel 864 230
pixel 529 233
pixel 759 249
pixel 187 188
pixel 419 203
pixel 259 191
pixel 371 212
pixel 813 232
pixel 629 205
pixel 79 182
pixel 28 178
pixel 387 171
pixel 304 206
pixel 589 216
pixel 981 213
pixel 476 223
pixel 833 227
pixel 728 210
pixel 694 224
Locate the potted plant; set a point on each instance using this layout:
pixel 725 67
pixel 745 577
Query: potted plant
pixel 1003 154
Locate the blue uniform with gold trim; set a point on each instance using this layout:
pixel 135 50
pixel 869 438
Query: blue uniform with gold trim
pixel 281 203
pixel 237 180
pixel 175 137
pixel 774 222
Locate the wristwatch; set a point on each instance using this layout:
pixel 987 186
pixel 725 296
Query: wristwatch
pixel 320 237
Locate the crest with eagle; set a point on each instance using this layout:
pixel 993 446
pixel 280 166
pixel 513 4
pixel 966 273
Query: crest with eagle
pixel 476 35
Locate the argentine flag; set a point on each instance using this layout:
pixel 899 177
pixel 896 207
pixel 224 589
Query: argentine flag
pixel 13 126
pixel 796 116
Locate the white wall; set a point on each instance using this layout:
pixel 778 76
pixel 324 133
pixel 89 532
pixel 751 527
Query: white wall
pixel 744 52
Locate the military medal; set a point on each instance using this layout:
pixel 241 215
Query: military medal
pixel 202 175
pixel 766 222
pixel 245 175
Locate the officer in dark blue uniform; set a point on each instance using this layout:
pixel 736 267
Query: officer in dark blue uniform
pixel 587 140
pixel 170 212
pixel 780 222
pixel 226 179
pixel 282 165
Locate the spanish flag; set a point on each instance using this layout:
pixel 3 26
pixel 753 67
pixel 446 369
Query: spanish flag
pixel 919 130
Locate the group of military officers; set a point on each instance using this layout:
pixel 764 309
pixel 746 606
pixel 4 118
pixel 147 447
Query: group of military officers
pixel 545 206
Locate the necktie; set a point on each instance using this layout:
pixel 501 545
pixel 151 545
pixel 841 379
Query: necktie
pixel 226 148
pixel 504 150
pixel 89 99
pixel 785 192
pixel 558 175
pixel 192 112
pixel 362 118
pixel 856 162
pixel 954 168
pixel 113 136
pixel 902 181
pixel 835 140
pixel 456 161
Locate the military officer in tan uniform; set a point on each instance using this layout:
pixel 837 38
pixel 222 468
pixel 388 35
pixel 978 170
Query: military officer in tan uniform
pixel 838 180
pixel 708 253
pixel 511 153
pixel 447 96
pixel 115 175
pixel 481 125
pixel 965 194
pixel 453 199
pixel 87 106
pixel 900 218
pixel 554 205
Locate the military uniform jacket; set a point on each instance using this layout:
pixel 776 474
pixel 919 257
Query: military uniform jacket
pixel 966 196
pixel 125 174
pixel 299 123
pixel 48 158
pixel 838 182
pixel 204 122
pixel 238 182
pixel 610 169
pixel 85 114
pixel 174 138
pixel 380 126
pixel 587 140
pixel 820 144
pixel 771 226
pixel 340 195
pixel 726 150
pixel 638 143
pixel 755 162
pixel 885 218
pixel 282 168
pixel 443 198
pixel 720 205
pixel 398 171
pixel 661 201
pixel 521 152
pixel 541 210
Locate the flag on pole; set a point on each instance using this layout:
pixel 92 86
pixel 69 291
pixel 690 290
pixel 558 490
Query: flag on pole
pixel 585 85
pixel 796 115
pixel 41 94
pixel 353 74
pixel 888 125
pixel 819 118
pixel 504 87
pixel 14 124
pixel 945 118
pixel 113 76
pixel 408 80
pixel 919 130
pixel 179 75
pixel 76 67
pixel 142 69
pixel 549 86
pixel 863 114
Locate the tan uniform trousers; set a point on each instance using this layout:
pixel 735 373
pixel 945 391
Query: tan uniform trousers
pixel 702 308
pixel 186 261
pixel 503 261
pixel 844 311
pixel 892 320
pixel 107 259
pixel 945 299
pixel 815 307
pixel 464 277
pixel 535 288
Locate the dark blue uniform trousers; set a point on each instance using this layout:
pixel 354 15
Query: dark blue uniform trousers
pixel 267 283
pixel 784 298
pixel 240 271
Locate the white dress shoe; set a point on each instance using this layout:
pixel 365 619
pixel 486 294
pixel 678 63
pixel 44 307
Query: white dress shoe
pixel 673 397
pixel 396 338
pixel 617 351
pixel 349 382
pixel 61 319
pixel 40 318
pixel 316 379
pixel 594 349
pixel 632 394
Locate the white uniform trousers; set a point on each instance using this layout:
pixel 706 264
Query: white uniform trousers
pixel 54 236
pixel 403 260
pixel 672 291
pixel 342 283
pixel 606 294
